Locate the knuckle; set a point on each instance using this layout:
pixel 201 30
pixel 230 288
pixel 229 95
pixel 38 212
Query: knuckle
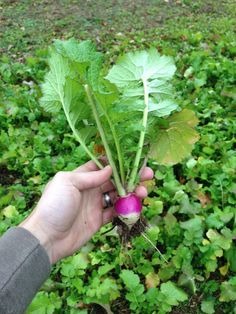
pixel 61 175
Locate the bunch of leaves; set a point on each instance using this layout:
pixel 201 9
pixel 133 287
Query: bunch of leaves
pixel 130 108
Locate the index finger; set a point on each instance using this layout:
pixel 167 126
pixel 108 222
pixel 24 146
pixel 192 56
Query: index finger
pixel 87 167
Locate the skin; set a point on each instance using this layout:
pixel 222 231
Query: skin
pixel 70 209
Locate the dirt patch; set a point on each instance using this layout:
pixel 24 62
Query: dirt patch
pixel 8 177
pixel 120 306
pixel 127 234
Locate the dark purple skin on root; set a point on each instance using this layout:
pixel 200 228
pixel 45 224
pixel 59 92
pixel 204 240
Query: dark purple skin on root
pixel 129 204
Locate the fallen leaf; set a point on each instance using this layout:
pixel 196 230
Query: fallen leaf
pixel 203 198
pixel 224 269
pixel 152 280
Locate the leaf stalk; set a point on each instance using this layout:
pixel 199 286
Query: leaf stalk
pixel 77 136
pixel 134 172
pixel 119 154
pixel 120 188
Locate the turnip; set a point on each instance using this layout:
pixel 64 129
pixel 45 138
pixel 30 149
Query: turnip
pixel 128 208
pixel 130 113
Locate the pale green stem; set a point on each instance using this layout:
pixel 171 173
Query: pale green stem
pixel 77 136
pixel 91 155
pixel 121 191
pixel 119 155
pixel 134 172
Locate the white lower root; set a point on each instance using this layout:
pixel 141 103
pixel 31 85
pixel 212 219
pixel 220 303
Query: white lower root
pixel 130 219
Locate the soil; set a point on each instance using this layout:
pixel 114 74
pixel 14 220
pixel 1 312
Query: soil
pixel 8 177
pixel 127 234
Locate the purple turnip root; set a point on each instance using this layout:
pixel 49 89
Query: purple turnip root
pixel 128 208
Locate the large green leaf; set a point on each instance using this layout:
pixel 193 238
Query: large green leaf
pixel 134 70
pixel 135 66
pixel 53 87
pixel 81 52
pixel 83 57
pixel 62 89
pixel 175 143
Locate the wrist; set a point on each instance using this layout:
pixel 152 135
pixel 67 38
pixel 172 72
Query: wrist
pixel 32 225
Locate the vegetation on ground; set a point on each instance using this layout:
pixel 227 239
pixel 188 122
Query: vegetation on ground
pixel 191 206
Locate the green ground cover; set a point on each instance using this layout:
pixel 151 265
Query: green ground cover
pixel 191 206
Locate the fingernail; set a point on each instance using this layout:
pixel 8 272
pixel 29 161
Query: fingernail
pixel 108 167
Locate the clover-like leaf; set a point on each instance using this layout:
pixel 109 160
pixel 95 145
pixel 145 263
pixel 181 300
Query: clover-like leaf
pixel 228 290
pixel 173 294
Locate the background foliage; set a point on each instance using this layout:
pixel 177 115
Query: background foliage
pixel 191 206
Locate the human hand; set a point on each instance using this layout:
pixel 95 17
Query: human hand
pixel 70 209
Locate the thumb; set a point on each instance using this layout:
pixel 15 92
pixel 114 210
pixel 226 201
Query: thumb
pixel 92 179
